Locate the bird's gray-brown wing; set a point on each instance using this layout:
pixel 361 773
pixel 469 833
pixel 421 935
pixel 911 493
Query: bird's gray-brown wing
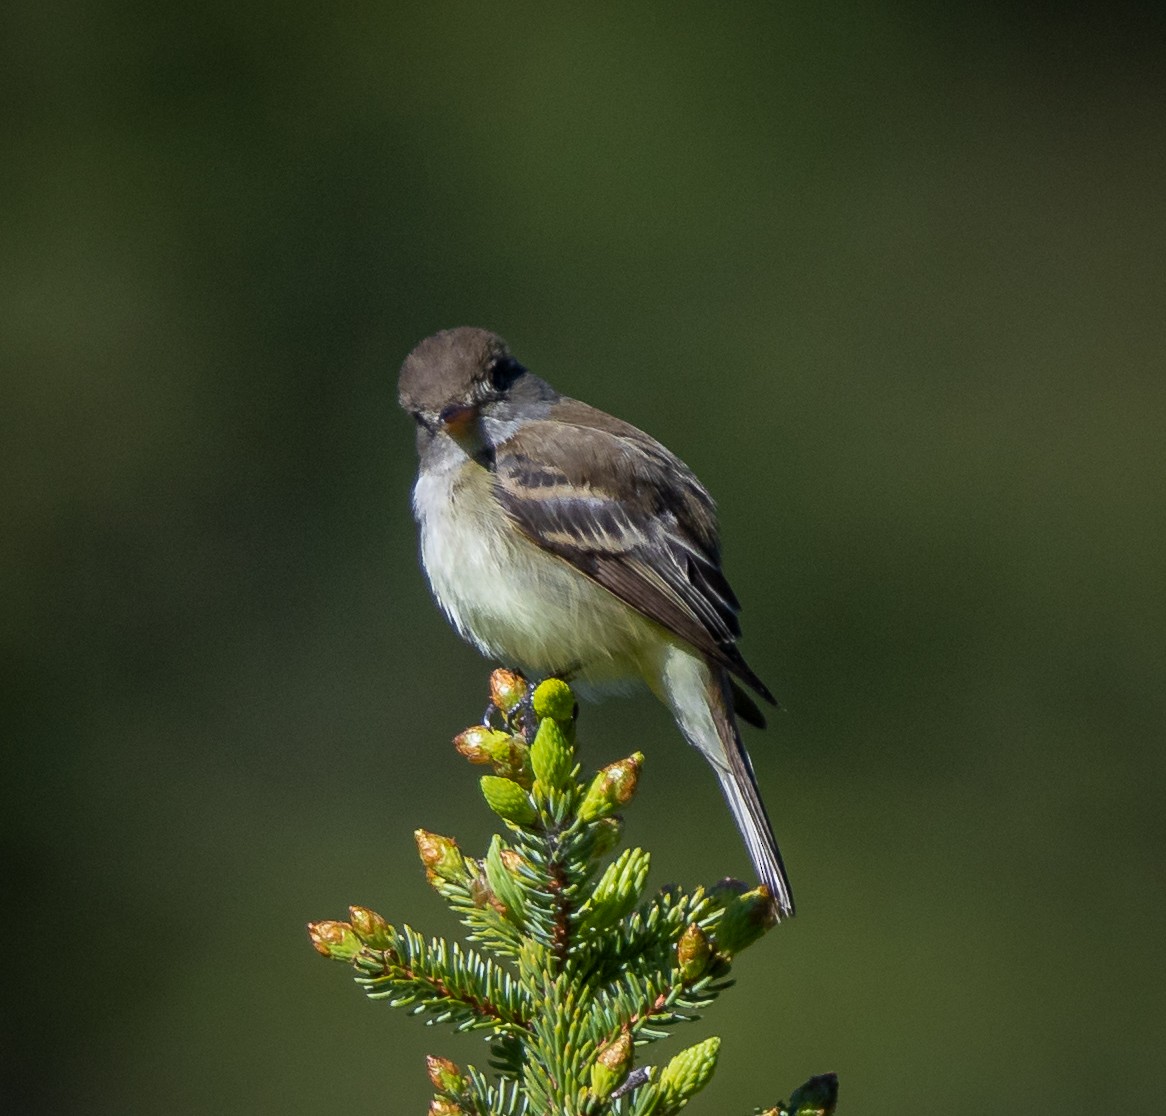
pixel 621 509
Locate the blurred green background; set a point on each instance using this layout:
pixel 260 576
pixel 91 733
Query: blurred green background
pixel 890 278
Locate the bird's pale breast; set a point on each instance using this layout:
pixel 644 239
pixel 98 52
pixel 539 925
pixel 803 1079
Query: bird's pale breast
pixel 516 602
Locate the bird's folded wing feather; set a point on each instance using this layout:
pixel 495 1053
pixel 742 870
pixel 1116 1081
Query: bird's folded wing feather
pixel 653 542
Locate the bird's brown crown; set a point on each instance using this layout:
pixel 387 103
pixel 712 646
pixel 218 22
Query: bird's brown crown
pixel 451 366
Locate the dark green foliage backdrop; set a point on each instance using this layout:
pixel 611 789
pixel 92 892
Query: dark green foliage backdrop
pixel 890 279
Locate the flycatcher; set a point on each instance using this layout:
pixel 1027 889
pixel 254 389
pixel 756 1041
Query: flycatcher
pixel 562 541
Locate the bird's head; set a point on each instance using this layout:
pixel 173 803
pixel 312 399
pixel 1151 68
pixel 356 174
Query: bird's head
pixel 450 378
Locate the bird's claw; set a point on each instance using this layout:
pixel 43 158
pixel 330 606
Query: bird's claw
pixel 520 720
pixel 523 715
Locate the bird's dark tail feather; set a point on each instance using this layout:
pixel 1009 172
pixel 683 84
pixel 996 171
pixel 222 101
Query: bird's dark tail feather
pixel 739 786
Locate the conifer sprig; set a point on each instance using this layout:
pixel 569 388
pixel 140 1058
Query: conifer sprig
pixel 573 970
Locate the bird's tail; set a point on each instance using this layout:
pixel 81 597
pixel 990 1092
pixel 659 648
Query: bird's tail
pixel 706 719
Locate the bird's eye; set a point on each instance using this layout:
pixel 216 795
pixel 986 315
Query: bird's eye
pixel 503 372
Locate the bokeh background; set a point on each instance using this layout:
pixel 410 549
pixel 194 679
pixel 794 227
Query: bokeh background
pixel 890 277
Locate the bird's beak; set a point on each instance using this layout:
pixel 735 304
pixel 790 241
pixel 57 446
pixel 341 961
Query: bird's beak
pixel 458 420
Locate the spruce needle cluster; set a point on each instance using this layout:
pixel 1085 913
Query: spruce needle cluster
pixel 570 969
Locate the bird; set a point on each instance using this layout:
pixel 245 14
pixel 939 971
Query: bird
pixel 562 541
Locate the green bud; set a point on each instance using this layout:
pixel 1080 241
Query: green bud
pixel 508 800
pixel 553 698
pixel 687 1073
pixel 618 890
pixel 606 836
pixel 441 857
pixel 611 1066
pixel 693 952
pixel 551 755
pixel 507 689
pixel 612 788
pixel 372 929
pixel 817 1097
pixel 334 939
pixel 746 917
pixel 444 1075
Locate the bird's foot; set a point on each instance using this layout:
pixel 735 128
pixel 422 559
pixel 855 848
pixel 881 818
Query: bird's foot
pixel 516 716
pixel 511 707
pixel 520 720
pixel 524 717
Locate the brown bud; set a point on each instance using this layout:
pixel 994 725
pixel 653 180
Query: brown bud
pixel 513 860
pixel 507 689
pixel 371 928
pixel 746 917
pixel 334 939
pixel 618 1053
pixel 482 744
pixel 693 951
pixel 612 788
pixel 443 1106
pixel 611 1065
pixel 441 856
pixel 444 1075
